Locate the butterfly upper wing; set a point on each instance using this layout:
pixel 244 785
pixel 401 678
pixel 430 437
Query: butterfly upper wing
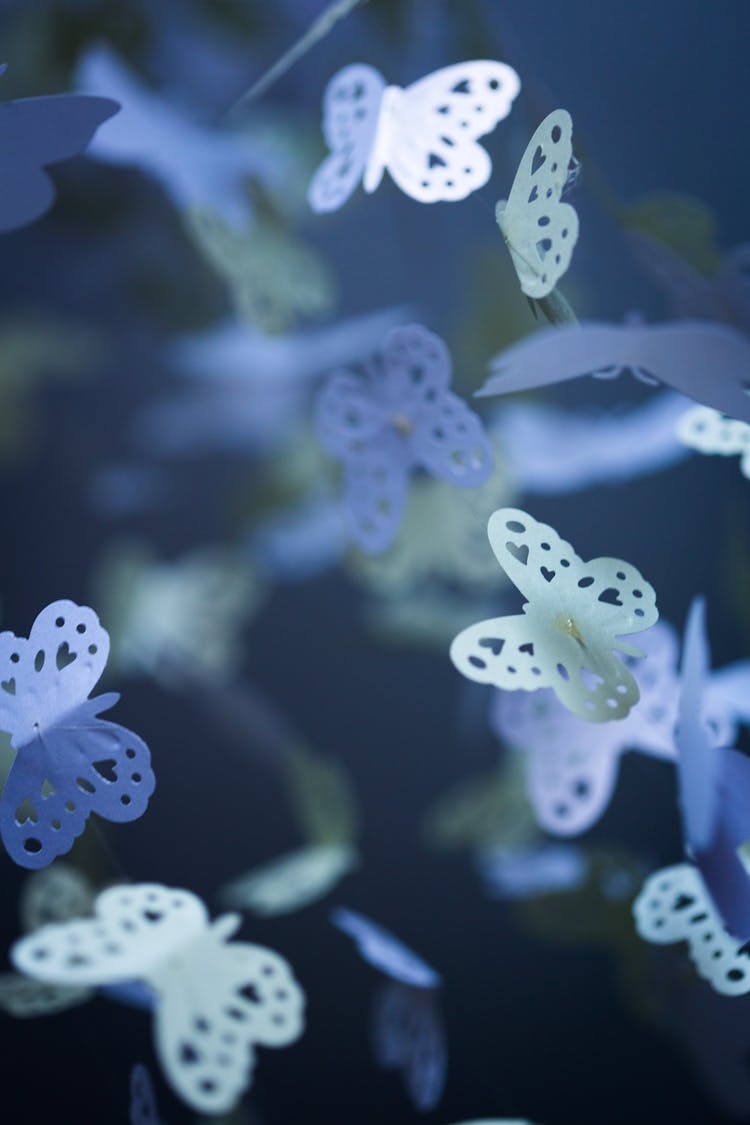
pixel 35 132
pixel 52 672
pixel 351 109
pixel 216 1002
pixel 430 147
pixel 539 229
pixel 135 927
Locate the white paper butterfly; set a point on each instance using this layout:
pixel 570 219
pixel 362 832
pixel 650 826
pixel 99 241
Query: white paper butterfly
pixel 540 230
pixel 674 905
pixel 424 135
pixel 710 431
pixel 570 629
pixel 213 1001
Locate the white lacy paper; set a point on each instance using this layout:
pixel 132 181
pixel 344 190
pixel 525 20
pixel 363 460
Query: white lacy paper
pixel 673 906
pixel 708 431
pixel 215 1001
pixel 569 631
pixel 540 230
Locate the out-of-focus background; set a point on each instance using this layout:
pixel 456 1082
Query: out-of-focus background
pixel 161 340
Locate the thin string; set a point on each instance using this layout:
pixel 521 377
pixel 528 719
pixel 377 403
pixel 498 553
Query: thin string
pixel 318 29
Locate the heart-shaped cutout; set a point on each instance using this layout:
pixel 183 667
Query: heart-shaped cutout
pixel 547 574
pixel 520 553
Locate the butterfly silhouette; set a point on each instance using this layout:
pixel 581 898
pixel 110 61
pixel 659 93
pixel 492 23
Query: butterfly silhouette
pixel 35 132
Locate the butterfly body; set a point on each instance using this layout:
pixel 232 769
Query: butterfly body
pixel 424 136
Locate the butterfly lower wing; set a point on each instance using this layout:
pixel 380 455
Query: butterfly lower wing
pixel 503 651
pixel 221 1001
pixel 346 415
pixel 539 229
pixel 375 491
pixel 35 132
pixel 673 905
pixel 115 770
pixel 425 1072
pixel 351 107
pixel 570 790
pixel 432 151
pixel 40 817
pixel 452 444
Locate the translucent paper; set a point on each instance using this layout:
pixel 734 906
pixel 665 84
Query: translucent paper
pixel 424 136
pixel 707 362
pixel 69 762
pixel 215 1001
pixel 540 230
pixel 707 431
pixel 291 881
pixel 569 632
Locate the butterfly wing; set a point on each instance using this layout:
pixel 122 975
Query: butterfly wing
pixel 708 431
pixel 351 108
pixel 216 1002
pixel 384 951
pixel 26 999
pixel 570 790
pixel 673 905
pixel 427 1064
pixel 55 895
pixel 431 150
pixel 53 671
pixel 35 132
pixel 135 927
pixel 540 230
pixel 143 1107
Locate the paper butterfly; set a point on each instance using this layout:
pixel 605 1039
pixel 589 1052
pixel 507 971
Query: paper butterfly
pixel 69 762
pixel 56 894
pixel 397 417
pixel 540 230
pixel 489 810
pixel 572 766
pixel 570 628
pixel 708 431
pixel 526 873
pixel 143 1107
pixel 214 1001
pixel 197 166
pixel 674 905
pixel 408 1035
pixel 291 881
pixel 35 132
pixel 407 1028
pixel 274 278
pixel 707 362
pixel 552 451
pixel 707 905
pixel 424 136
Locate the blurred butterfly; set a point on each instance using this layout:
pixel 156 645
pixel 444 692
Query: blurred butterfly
pixel 143 1107
pixel 706 903
pixel 69 762
pixel 213 1001
pixel 540 230
pixel 708 431
pixel 424 136
pixel 56 894
pixel 35 132
pixel 400 415
pixel 571 625
pixel 572 766
pixel 197 166
pixel 291 881
pixel 707 362
pixel 406 1025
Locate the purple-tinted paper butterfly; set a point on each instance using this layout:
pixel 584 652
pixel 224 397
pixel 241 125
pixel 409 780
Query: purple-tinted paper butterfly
pixel 35 132
pixel 69 762
pixel 406 1024
pixel 398 416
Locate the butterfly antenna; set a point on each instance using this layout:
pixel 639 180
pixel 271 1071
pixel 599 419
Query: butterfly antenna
pixel 318 29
